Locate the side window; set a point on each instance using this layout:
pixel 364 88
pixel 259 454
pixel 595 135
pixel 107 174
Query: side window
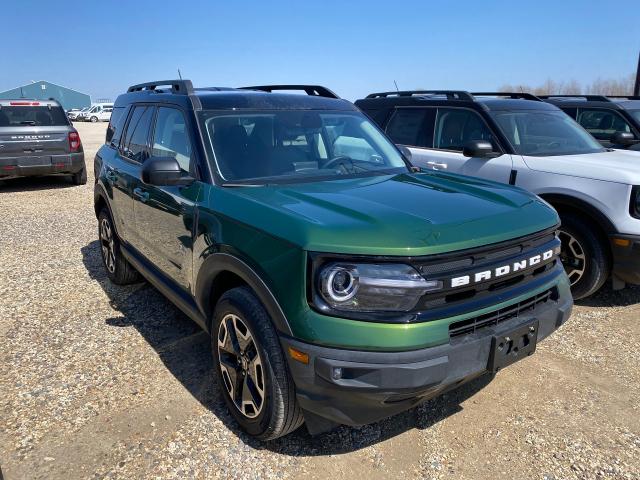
pixel 412 126
pixel 135 144
pixel 456 127
pixel 171 137
pixel 116 124
pixel 602 123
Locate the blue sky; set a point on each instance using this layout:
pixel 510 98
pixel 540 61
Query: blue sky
pixel 352 47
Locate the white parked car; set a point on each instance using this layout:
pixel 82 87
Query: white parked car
pixel 523 141
pixel 93 111
pixel 102 116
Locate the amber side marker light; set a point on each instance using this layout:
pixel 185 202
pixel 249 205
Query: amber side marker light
pixel 622 242
pixel 299 356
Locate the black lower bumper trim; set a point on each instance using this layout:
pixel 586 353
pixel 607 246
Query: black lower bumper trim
pixel 625 250
pixel 41 166
pixel 359 387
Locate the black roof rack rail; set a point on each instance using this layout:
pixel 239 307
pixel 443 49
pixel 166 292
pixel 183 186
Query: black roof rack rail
pixel 313 90
pixel 182 87
pixel 450 94
pixel 589 98
pixel 522 95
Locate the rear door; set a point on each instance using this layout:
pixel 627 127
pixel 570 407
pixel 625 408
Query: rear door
pixel 32 135
pixel 122 174
pixel 165 215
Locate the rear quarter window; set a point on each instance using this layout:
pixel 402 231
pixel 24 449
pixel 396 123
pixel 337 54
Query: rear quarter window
pixel 116 124
pixel 32 116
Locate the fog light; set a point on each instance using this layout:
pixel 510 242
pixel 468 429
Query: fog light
pixel 337 373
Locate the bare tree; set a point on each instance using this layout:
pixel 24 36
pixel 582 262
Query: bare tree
pixel 622 86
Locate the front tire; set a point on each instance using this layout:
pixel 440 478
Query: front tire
pixel 94 119
pixel 251 369
pixel 119 270
pixel 584 255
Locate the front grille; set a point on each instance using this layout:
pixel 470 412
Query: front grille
pixel 472 325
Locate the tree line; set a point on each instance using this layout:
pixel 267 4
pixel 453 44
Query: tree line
pixel 601 86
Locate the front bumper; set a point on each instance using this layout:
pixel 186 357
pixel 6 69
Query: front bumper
pixel 41 165
pixel 376 385
pixel 625 250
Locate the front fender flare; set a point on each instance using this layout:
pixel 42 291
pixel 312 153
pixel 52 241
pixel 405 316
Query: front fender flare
pixel 217 263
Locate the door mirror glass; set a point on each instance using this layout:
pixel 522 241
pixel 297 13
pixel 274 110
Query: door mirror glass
pixel 623 138
pixel 479 148
pixel 164 171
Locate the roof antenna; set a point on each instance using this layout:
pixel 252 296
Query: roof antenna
pixel 396 84
pixel 179 74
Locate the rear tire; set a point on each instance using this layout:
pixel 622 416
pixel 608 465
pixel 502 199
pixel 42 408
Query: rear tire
pixel 247 355
pixel 94 119
pixel 584 255
pixel 80 178
pixel 119 270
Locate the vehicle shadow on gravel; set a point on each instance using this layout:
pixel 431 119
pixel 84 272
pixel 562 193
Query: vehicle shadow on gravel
pixel 184 349
pixel 607 297
pixel 28 184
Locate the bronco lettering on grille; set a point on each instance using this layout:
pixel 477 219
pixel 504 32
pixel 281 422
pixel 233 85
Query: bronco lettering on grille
pixel 501 270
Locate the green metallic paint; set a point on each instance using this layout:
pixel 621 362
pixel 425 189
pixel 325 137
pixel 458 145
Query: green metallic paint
pixel 357 335
pixel 271 229
pixel 419 214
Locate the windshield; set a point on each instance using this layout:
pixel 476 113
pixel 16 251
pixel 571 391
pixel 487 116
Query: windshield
pixel 539 133
pixel 284 146
pixel 635 114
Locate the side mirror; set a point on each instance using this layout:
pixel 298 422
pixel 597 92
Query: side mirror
pixel 480 149
pixel 623 138
pixel 164 171
pixel 406 153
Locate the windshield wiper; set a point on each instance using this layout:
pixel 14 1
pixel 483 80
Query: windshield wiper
pixel 28 122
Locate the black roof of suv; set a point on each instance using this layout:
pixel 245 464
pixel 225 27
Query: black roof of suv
pixel 219 98
pixel 603 116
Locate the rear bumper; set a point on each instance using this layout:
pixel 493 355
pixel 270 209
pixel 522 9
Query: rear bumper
pixel 376 385
pixel 11 167
pixel 626 257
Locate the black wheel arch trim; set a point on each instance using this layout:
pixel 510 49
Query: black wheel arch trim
pixel 560 200
pixel 218 263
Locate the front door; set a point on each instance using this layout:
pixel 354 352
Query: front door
pixel 165 215
pixel 436 137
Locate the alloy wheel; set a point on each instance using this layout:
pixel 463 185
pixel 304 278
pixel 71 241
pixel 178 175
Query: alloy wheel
pixel 572 257
pixel 108 246
pixel 241 366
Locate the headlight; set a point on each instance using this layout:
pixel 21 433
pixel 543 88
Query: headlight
pixel 373 287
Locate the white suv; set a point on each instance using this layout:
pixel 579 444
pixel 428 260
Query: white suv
pixel 520 140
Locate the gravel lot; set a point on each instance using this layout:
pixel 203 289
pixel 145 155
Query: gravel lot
pixel 99 381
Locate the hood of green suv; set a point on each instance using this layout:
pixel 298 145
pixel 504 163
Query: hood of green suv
pixel 406 214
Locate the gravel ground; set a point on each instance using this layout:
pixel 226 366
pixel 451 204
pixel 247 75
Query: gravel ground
pixel 99 381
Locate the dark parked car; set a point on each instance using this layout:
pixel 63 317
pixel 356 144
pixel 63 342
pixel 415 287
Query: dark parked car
pixel 37 138
pixel 339 286
pixel 613 120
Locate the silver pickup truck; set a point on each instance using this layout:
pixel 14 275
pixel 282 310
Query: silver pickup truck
pixel 36 138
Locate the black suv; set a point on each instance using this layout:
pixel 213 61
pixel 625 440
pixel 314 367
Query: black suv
pixel 613 120
pixel 37 138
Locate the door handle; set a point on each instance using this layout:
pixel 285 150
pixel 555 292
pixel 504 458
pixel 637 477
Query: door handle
pixel 437 165
pixel 142 194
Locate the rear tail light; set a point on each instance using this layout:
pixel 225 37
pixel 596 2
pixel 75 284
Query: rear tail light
pixel 74 141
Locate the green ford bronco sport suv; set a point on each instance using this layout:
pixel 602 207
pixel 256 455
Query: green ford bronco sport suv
pixel 340 285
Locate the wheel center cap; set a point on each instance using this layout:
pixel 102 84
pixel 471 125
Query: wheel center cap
pixel 244 362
